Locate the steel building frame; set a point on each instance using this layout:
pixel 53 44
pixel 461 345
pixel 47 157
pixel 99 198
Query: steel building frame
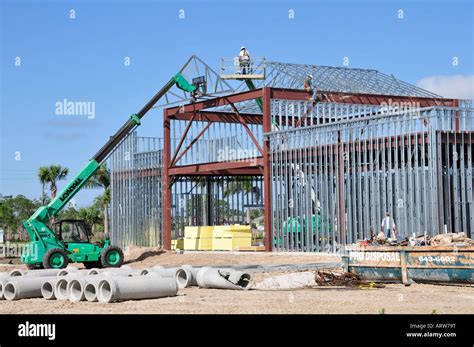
pixel 226 136
pixel 210 111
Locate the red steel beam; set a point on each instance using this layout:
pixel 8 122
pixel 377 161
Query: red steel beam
pixel 360 98
pixel 206 168
pixel 215 116
pixel 267 196
pixel 181 140
pixel 166 184
pixel 219 101
pixel 246 171
pixel 377 99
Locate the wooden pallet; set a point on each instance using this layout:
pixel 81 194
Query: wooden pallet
pixel 251 249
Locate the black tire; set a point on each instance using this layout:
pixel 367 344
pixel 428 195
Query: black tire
pixel 104 257
pixel 52 254
pixel 92 264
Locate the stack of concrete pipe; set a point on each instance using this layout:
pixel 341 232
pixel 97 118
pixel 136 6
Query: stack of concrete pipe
pixel 115 284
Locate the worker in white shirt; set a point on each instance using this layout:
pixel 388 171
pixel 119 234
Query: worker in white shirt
pixel 388 227
pixel 244 60
pixel 308 86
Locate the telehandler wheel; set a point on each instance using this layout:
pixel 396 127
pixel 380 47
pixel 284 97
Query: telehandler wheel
pixel 55 258
pixel 111 256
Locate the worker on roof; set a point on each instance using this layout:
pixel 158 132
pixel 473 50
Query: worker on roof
pixel 388 227
pixel 308 86
pixel 244 61
pixel 308 83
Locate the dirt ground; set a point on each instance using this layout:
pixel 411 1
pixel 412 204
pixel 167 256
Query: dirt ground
pixel 394 298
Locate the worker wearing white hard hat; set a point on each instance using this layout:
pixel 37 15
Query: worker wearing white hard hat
pixel 244 60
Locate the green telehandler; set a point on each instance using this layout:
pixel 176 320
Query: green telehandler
pixel 54 245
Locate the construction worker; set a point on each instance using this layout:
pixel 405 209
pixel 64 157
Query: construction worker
pixel 388 227
pixel 244 61
pixel 308 86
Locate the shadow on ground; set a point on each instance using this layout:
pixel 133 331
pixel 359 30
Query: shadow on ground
pixel 144 256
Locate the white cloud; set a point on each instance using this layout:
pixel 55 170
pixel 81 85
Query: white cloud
pixel 454 86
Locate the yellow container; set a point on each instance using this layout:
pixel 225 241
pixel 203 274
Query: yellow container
pixel 199 232
pixel 218 238
pixel 230 243
pixel 198 244
pixel 232 231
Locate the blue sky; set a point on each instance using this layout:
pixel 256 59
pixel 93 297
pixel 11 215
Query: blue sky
pixel 83 59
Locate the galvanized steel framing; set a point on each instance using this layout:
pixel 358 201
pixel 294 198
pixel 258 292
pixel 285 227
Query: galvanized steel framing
pixel 415 164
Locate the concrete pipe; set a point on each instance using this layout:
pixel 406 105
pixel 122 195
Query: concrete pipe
pixel 124 273
pixel 47 289
pixel 181 276
pixel 4 278
pixel 68 271
pixel 34 273
pixel 96 271
pixel 24 287
pixel 93 271
pixel 208 277
pixel 75 289
pixel 3 281
pixel 18 272
pixel 146 271
pixel 193 271
pixel 92 287
pixel 60 287
pixel 132 288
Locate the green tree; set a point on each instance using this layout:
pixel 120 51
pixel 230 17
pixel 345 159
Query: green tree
pixel 242 185
pixel 51 175
pixel 101 179
pixel 7 219
pixel 13 210
pixel 93 216
pixel 70 213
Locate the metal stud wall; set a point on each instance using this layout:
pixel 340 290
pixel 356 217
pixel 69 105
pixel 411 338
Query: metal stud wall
pixel 136 204
pixel 334 181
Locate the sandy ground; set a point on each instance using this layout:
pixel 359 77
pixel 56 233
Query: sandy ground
pixel 394 298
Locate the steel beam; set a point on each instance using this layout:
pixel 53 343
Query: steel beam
pixel 166 184
pixel 215 102
pixel 215 116
pixel 218 168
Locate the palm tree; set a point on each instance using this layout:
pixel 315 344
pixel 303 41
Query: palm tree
pixel 51 175
pixel 242 185
pixel 101 179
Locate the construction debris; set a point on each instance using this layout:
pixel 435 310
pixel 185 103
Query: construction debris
pixel 310 279
pixel 345 279
pixel 208 277
pixel 448 239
